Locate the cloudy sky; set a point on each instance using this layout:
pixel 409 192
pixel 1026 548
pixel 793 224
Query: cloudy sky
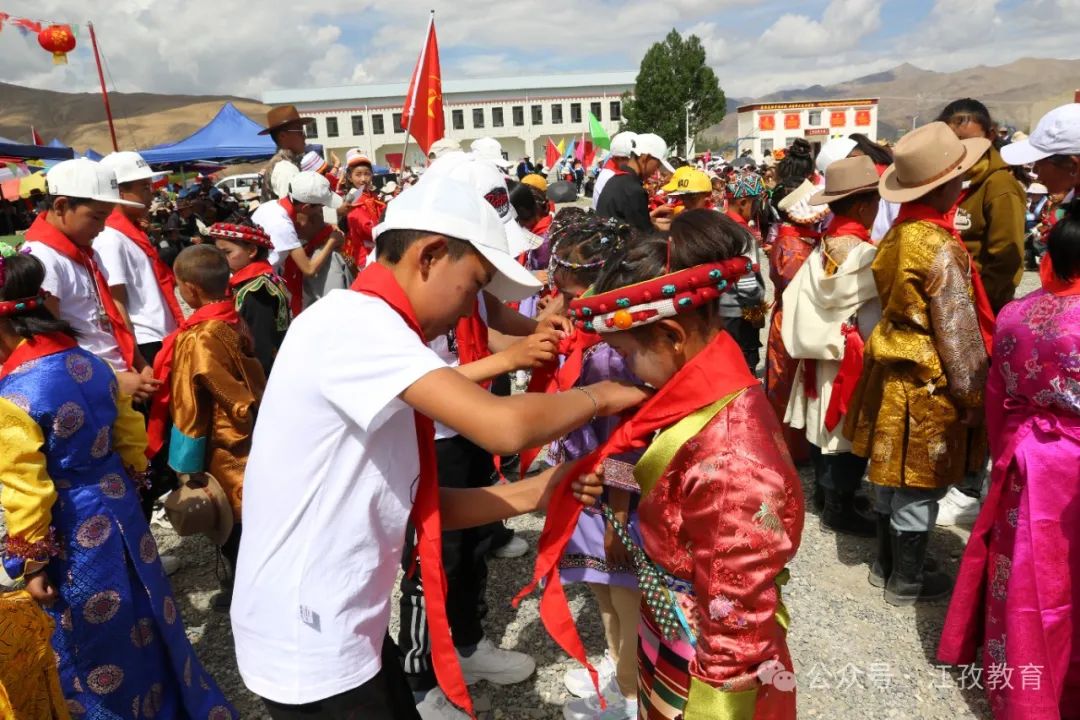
pixel 756 46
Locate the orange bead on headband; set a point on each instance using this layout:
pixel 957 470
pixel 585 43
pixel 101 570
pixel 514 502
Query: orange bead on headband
pixel 666 296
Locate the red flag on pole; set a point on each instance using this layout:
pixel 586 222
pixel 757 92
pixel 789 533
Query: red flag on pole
pixel 35 138
pixel 553 154
pixel 422 117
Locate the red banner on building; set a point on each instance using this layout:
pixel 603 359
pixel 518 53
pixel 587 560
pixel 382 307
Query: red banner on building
pixel 792 121
pixel 766 122
pixel 862 118
pixel 838 119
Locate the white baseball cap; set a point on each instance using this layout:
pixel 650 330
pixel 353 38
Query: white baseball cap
pixel 623 144
pixel 129 167
pixel 490 149
pixel 442 146
pixel 312 188
pixel 1058 133
pixel 653 145
pixel 833 150
pixel 86 179
pixel 447 206
pixel 489 181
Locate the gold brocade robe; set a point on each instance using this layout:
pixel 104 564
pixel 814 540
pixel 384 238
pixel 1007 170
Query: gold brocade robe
pixel 216 385
pixel 925 365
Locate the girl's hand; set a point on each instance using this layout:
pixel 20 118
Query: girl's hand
pixel 41 589
pixel 588 488
pixel 617 554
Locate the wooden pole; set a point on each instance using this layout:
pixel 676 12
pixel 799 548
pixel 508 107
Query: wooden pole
pixel 104 92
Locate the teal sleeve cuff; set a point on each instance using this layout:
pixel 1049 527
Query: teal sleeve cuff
pixel 186 454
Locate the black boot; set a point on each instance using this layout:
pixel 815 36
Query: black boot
pixel 909 581
pixel 881 568
pixel 840 516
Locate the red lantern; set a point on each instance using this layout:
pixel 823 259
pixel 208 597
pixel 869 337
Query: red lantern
pixel 59 40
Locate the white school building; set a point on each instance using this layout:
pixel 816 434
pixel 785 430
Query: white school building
pixel 765 127
pixel 521 113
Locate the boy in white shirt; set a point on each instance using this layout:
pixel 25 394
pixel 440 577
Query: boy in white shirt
pixel 327 498
pixel 309 192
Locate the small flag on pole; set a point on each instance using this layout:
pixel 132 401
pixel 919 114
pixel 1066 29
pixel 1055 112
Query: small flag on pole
pixel 599 134
pixel 552 156
pixel 422 117
pixel 35 138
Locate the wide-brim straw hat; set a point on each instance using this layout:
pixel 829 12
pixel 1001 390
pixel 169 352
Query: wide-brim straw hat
pixel 926 159
pixel 847 177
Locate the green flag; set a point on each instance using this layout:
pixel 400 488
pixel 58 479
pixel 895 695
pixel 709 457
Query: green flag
pixel 599 135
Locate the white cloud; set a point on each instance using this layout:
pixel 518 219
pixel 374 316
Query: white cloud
pixel 843 24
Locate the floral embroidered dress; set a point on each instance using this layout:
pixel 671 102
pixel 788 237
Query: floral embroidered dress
pixel 68 445
pixel 721 516
pixel 1014 596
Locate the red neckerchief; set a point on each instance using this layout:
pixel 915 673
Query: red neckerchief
pixel 541 226
pixel 737 218
pixel 802 232
pixel 716 372
pixel 552 377
pixel 294 279
pixel 471 334
pixel 37 347
pixel 916 211
pixel 841 226
pixel 163 273
pixel 249 272
pixel 377 281
pixel 41 231
pixel 847 377
pixel 290 209
pixel 1052 283
pixel 224 310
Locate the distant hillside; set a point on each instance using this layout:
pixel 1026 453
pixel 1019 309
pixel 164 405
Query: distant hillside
pixel 1017 94
pixel 142 119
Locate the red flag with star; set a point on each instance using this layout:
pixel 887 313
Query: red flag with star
pixel 422 116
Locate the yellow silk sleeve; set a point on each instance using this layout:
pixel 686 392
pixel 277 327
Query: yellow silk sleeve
pixel 27 494
pixel 129 435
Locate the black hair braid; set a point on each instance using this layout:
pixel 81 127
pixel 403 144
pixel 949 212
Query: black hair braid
pixel 582 242
pixel 1063 243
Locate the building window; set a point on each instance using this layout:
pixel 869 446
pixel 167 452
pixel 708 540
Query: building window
pixel 496 117
pixel 377 127
pixel 331 127
pixel 595 109
pixel 575 112
pixel 310 129
pixel 478 117
pixel 458 118
pixel 766 147
pixel 616 110
pixel 519 115
pixel 537 114
pixel 357 124
pixel 556 114
pixel 814 119
pixel 398 127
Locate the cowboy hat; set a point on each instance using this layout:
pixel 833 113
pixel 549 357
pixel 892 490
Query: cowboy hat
pixel 846 177
pixel 926 159
pixel 196 507
pixel 281 117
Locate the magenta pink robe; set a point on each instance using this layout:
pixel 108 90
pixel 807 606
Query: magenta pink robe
pixel 1014 593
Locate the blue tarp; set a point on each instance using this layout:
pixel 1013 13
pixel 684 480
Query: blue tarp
pixel 55 143
pixel 92 154
pixel 38 152
pixel 230 136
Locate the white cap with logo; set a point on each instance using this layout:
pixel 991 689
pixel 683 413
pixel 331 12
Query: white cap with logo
pixel 1058 133
pixel 447 206
pixel 623 144
pixel 85 179
pixel 130 167
pixel 312 188
pixel 652 145
pixel 490 149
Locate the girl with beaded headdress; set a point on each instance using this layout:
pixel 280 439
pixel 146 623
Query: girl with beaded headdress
pixel 721 508
pixel 72 453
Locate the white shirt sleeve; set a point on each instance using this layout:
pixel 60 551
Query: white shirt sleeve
pixel 275 221
pixel 56 281
pixel 112 257
pixel 363 372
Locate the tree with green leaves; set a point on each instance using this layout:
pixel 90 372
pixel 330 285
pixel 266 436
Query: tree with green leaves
pixel 673 73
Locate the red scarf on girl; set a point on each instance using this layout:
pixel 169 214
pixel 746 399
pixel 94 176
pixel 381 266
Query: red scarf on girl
pixel 377 281
pixel 913 211
pixel 716 372
pixel 249 272
pixel 37 347
pixel 1052 283
pixel 163 273
pixel 552 378
pixel 841 226
pixel 224 310
pixel 802 232
pixel 41 231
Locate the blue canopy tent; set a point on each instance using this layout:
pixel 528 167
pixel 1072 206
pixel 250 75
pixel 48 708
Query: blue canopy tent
pixel 92 154
pixel 229 137
pixel 36 152
pixel 55 143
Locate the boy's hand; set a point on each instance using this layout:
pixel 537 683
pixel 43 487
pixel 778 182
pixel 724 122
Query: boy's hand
pixel 614 397
pixel 557 322
pixel 588 488
pixel 551 306
pixel 41 589
pixel 139 385
pixel 533 351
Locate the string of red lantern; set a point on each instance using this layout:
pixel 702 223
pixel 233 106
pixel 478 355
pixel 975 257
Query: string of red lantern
pixel 56 38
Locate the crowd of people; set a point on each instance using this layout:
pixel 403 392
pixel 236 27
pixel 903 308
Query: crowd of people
pixel 322 382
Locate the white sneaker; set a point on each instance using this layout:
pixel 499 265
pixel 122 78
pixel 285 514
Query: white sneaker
pixel 498 666
pixel 577 680
pixel 435 706
pixel 618 707
pixel 513 549
pixel 956 508
pixel 171 563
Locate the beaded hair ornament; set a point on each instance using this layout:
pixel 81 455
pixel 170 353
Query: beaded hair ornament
pixel 241 233
pixel 18 306
pixel 663 297
pixel 610 233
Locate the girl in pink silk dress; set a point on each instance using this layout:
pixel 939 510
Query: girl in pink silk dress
pixel 1014 593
